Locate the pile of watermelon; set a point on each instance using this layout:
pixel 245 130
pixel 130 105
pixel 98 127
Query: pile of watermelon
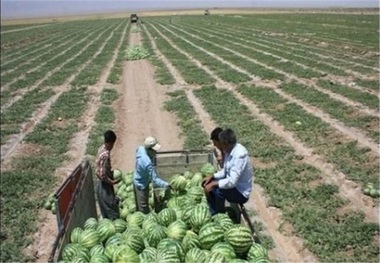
pixel 182 231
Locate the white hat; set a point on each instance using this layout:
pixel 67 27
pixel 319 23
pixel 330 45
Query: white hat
pixel 151 142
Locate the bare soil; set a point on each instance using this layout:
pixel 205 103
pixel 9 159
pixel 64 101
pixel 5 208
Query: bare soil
pixel 140 113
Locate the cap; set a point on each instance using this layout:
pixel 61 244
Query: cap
pixel 151 142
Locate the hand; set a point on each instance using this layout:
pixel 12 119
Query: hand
pixel 116 181
pixel 209 187
pixel 207 180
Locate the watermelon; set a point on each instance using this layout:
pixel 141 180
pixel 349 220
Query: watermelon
pixel 224 248
pixel 168 244
pixel 97 249
pixel 99 258
pixel 195 255
pixel 257 251
pixel 154 235
pixel 75 251
pixel 200 216
pixel 178 182
pixel 208 169
pixel 195 193
pixel 210 234
pixel 110 250
pixel 75 235
pixel 125 254
pixel 106 229
pixel 135 219
pixel 91 223
pixel 115 239
pixel 216 257
pixel 117 174
pixel 240 238
pixel 89 238
pixel 177 230
pixel 120 225
pixel 134 241
pixel 196 179
pixel 149 255
pixel 167 256
pixel 190 241
pixel 188 174
pixel 167 216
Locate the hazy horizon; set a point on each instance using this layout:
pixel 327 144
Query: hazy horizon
pixel 11 9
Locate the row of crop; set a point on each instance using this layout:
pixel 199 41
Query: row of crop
pixel 310 205
pixel 284 62
pixel 41 49
pixel 91 74
pixel 329 105
pixel 357 37
pixel 35 62
pixel 305 42
pixel 357 163
pixel 161 73
pixel 24 186
pixel 222 70
pixel 79 49
pixel 190 72
pixel 117 68
pixel 249 66
pixel 370 100
pixel 324 56
pixel 22 109
pixel 21 40
pixel 254 43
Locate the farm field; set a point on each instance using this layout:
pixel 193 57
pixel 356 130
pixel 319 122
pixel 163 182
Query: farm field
pixel 300 90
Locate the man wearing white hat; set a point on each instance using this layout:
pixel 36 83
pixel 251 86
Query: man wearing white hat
pixel 145 173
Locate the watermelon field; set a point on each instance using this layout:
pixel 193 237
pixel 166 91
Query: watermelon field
pixel 300 89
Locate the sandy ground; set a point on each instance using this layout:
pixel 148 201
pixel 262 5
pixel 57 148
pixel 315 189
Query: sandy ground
pixel 140 113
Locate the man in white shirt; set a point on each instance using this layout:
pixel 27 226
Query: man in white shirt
pixel 234 182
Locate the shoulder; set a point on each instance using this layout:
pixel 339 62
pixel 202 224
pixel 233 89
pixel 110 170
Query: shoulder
pixel 240 151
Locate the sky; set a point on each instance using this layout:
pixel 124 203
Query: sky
pixel 43 8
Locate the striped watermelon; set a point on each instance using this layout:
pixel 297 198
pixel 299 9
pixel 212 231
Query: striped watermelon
pixel 91 223
pixel 186 213
pixel 188 174
pixel 216 257
pixel 73 251
pixel 200 216
pixel 167 256
pixel 195 193
pixel 135 241
pixel 177 230
pixel 154 235
pixel 210 234
pixel 261 260
pixel 167 216
pixel 149 223
pixel 196 179
pixel 238 260
pixel 224 248
pixel 109 251
pixel 240 238
pixel 135 219
pixel 149 255
pixel 195 255
pixel 133 230
pixel 89 238
pixel 257 251
pixel 97 249
pixel 172 245
pixel 115 239
pixel 125 254
pixel 178 182
pixel 75 235
pixel 120 225
pixel 190 241
pixel 106 229
pixel 99 258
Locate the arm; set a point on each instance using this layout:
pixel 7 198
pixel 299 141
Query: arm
pixel 157 181
pixel 235 173
pixel 104 170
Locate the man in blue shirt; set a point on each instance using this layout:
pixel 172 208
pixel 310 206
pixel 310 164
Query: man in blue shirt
pixel 145 173
pixel 234 182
